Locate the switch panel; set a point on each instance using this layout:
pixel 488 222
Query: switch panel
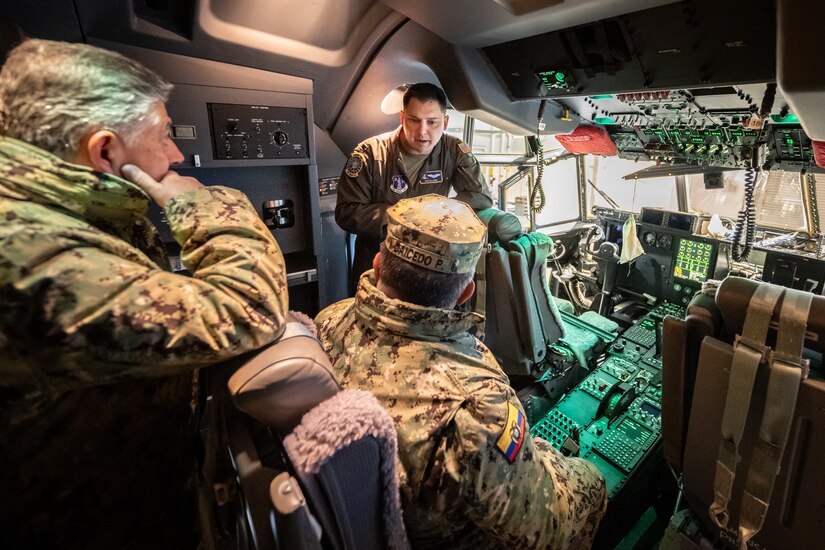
pixel 242 132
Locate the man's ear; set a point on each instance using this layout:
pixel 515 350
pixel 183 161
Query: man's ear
pixel 446 121
pixel 467 292
pixel 102 150
pixel 376 266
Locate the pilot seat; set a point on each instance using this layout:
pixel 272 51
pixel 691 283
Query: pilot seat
pixel 535 337
pixel 743 395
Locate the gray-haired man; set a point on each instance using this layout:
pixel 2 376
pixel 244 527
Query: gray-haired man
pixel 98 339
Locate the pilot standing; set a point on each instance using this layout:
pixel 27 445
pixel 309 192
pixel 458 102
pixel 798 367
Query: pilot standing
pixel 416 159
pixel 99 340
pixel 471 475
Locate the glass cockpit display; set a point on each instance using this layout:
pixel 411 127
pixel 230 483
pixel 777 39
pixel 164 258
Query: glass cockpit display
pixel 693 260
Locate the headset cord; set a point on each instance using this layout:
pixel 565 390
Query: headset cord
pixel 746 220
pixel 537 199
pixel 814 206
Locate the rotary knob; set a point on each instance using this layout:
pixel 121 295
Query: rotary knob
pixel 280 138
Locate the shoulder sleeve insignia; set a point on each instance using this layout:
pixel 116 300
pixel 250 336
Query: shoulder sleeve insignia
pixel 511 438
pixel 464 148
pixel 354 165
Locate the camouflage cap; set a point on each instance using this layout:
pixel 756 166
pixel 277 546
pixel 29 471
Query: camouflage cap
pixel 436 233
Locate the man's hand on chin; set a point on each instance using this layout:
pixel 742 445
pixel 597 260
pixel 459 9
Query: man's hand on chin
pixel 170 185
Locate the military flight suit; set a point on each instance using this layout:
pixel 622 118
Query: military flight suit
pixel 99 341
pixel 468 480
pixel 374 179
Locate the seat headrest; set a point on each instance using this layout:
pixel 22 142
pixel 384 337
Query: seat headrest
pixel 502 226
pixel 734 295
pixel 284 381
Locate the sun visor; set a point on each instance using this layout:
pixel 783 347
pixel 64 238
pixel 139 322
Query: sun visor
pixel 588 140
pixel 819 152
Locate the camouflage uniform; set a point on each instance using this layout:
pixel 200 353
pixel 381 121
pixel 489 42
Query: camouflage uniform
pixel 370 184
pixel 453 408
pixel 99 342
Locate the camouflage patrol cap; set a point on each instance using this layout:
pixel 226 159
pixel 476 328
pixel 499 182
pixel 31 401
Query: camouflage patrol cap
pixel 436 233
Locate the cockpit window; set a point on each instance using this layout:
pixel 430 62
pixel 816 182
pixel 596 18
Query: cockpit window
pixel 779 201
pixel 606 187
pixel 778 198
pixel 455 125
pixel 561 194
pixel 490 140
pixel 725 201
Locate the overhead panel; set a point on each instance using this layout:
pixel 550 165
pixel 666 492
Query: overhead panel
pixel 689 44
pixel 717 127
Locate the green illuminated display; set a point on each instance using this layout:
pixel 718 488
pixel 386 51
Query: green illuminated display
pixel 554 79
pixel 693 260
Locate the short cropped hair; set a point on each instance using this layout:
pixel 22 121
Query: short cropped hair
pixel 419 285
pixel 424 91
pixel 52 94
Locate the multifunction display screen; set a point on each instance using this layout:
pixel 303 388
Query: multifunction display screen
pixel 693 260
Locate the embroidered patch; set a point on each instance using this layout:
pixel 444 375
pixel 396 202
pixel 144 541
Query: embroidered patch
pixel 510 440
pixel 399 184
pixel 464 148
pixel 354 165
pixel 433 176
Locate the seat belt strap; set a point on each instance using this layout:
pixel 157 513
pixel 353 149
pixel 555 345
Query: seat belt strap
pixel 786 373
pixel 749 352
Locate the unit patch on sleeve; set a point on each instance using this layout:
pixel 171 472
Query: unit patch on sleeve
pixel 430 177
pixel 399 184
pixel 464 148
pixel 510 440
pixel 354 165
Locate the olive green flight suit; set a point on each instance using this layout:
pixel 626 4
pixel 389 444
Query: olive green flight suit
pixel 374 179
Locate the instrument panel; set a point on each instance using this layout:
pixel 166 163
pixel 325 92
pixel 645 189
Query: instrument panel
pixel 702 127
pixel 675 262
pixel 613 419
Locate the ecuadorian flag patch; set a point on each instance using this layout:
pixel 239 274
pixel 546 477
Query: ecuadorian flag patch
pixel 510 440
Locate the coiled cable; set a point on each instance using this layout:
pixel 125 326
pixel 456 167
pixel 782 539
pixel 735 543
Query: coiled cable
pixel 746 221
pixel 814 206
pixel 537 193
pixel 537 198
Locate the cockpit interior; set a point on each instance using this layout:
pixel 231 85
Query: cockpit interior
pixel 672 151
